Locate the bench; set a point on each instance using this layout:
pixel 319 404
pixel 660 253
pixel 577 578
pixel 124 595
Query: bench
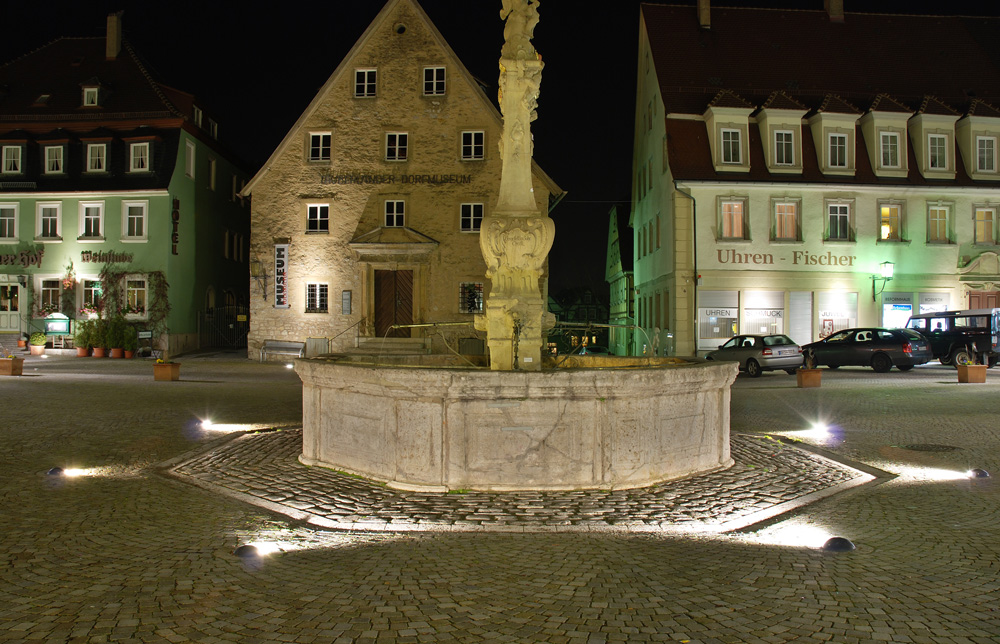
pixel 282 348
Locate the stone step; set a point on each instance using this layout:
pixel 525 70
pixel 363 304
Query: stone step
pixel 391 346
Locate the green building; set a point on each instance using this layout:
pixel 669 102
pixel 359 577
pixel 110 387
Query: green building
pixel 116 197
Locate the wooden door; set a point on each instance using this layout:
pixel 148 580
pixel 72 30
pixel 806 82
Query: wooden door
pixel 9 307
pixel 983 299
pixel 393 302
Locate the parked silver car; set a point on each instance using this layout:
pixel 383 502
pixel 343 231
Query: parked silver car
pixel 759 353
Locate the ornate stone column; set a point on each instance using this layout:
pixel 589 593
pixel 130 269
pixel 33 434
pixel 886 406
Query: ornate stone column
pixel 516 239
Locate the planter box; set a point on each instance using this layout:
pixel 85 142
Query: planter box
pixel 971 373
pixel 808 377
pixel 11 366
pixel 167 371
pixel 37 350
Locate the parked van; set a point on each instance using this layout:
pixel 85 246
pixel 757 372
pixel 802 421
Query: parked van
pixel 961 337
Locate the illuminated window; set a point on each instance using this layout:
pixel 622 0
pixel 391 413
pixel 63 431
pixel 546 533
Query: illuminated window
pixel 135 295
pixel 472 217
pixel 395 146
pixel 90 96
pixel 434 81
pixel 890 222
pixel 139 157
pixel 97 157
pixel 732 219
pixel 473 145
pixel 53 159
pixel 11 159
pixel 783 150
pixel 937 150
pixel 317 298
pixel 319 146
pixel 786 221
pixel 937 224
pixel 50 292
pixel 395 214
pixel 318 220
pixel 364 83
pixel 985 221
pixel 91 294
pixel 470 297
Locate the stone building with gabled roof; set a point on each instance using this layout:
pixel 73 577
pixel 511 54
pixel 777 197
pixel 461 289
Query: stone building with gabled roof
pixel 784 158
pixel 365 219
pixel 101 163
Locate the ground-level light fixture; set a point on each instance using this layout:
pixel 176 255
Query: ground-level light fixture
pixel 978 473
pixel 838 544
pixel 885 275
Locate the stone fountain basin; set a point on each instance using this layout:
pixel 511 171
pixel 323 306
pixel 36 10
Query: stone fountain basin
pixel 435 423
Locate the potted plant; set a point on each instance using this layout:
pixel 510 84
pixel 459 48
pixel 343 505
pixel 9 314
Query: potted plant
pixel 82 338
pixel 166 370
pixel 116 336
pixel 37 343
pixel 808 375
pixel 22 342
pixel 99 339
pixel 131 341
pixel 972 371
pixel 11 366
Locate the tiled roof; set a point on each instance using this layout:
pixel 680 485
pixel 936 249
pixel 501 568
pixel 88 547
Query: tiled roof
pixel 886 103
pixel 781 101
pixel 982 108
pixel 726 98
pixel 755 52
pixel 836 105
pixel 932 105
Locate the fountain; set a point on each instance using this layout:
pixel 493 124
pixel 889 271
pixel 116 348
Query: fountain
pixel 525 421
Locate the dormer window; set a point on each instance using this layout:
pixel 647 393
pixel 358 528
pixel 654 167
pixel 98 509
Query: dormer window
pixel 986 154
pixel 937 150
pixel 90 97
pixel 838 150
pixel 43 99
pixel 96 157
pixel 139 157
pixel 731 146
pixel 889 149
pixel 197 115
pixel 783 148
pixel 53 159
pixel 11 159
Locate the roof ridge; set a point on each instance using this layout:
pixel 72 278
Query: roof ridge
pixel 152 82
pixel 930 102
pixel 891 103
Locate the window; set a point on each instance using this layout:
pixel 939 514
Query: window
pixel 473 145
pixel 890 149
pixel 986 154
pixel 49 300
pixel 90 96
pixel 985 219
pixel 91 220
pixel 838 150
pixel 134 220
pixel 731 148
pixel 53 159
pixel 91 296
pixel 213 129
pixel 890 222
pixel 189 159
pixel 135 296
pixel 732 219
pixel 433 81
pixel 783 151
pixel 49 221
pixel 470 297
pixel 786 221
pixel 395 146
pixel 319 146
pixel 317 300
pixel 364 83
pixel 839 217
pixel 8 222
pixel 472 217
pixel 937 158
pixel 138 157
pixel 394 214
pixel 11 159
pixel 937 224
pixel 211 173
pixel 97 157
pixel 318 219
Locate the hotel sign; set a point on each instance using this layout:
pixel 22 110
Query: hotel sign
pixel 281 276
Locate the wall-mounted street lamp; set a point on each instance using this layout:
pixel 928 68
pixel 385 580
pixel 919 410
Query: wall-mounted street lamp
pixel 885 276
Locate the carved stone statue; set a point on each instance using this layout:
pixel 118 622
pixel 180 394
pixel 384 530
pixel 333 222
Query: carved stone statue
pixel 516 239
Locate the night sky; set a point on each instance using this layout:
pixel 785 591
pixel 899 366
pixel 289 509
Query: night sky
pixel 256 70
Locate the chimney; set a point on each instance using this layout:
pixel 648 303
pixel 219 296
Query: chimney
pixel 704 14
pixel 114 39
pixel 835 8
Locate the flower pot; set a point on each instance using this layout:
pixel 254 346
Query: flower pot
pixel 22 344
pixel 117 352
pixel 11 366
pixel 808 377
pixel 37 349
pixel 167 371
pixel 129 354
pixel 971 373
pixel 82 352
pixel 98 352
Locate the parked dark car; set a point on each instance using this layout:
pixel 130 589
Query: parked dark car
pixel 880 349
pixel 961 337
pixel 759 353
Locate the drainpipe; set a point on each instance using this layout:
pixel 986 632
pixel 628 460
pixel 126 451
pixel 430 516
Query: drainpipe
pixel 694 254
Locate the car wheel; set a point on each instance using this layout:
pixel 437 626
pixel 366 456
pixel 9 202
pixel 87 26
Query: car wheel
pixel 753 368
pixel 791 372
pixel 905 367
pixel 960 357
pixel 881 363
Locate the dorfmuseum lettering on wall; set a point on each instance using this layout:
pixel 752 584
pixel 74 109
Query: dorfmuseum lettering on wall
pixel 105 257
pixel 798 257
pixel 24 259
pixel 281 276
pixel 359 178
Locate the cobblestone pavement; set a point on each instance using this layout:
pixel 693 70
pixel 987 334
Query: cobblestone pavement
pixel 126 554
